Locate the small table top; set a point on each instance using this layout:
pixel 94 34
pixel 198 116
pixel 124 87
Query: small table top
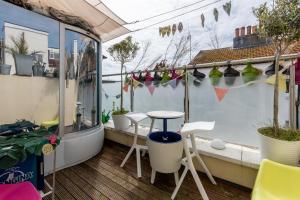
pixel 163 114
pixel 195 127
pixel 136 117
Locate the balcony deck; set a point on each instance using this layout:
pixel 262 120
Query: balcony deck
pixel 102 178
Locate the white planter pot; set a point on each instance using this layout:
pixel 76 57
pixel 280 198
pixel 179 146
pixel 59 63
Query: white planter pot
pixel 165 157
pixel 285 152
pixel 121 122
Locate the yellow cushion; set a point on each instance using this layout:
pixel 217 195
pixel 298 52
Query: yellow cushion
pixel 276 181
pixel 48 124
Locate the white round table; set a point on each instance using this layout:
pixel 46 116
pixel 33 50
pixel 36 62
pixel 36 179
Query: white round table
pixel 164 115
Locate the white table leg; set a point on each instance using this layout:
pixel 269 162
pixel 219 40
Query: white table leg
pixel 200 160
pixel 176 177
pixel 153 173
pixel 180 182
pixel 138 162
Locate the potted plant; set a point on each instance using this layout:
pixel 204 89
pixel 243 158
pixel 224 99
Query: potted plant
pixel 215 75
pixel 123 52
pixel 230 74
pixel 281 23
pixel 23 60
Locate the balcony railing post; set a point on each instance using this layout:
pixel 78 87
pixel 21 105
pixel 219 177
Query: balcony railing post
pixel 186 98
pixel 131 100
pixel 292 97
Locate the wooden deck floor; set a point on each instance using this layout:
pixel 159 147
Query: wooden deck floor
pixel 102 178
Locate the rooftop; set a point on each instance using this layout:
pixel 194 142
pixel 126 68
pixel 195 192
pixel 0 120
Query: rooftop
pixel 229 53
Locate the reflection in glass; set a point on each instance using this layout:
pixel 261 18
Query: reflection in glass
pixel 29 84
pixel 80 75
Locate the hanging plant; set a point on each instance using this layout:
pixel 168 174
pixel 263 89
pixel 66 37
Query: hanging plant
pixel 215 75
pixel 227 8
pixel 250 73
pixel 156 79
pixel 199 76
pixel 148 78
pixel 271 69
pixel 216 14
pixel 135 77
pixel 230 74
pixel 180 27
pixel 164 32
pixel 127 79
pixel 202 20
pixel 165 77
pixel 174 29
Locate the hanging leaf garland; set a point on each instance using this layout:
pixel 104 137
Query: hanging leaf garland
pixel 227 8
pixel 180 27
pixel 216 14
pixel 174 29
pixel 250 73
pixel 168 29
pixel 215 75
pixel 202 20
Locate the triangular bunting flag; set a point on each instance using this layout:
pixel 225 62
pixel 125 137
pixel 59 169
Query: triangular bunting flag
pixel 281 81
pixel 220 92
pixel 135 83
pixel 173 83
pixel 151 89
pixel 125 87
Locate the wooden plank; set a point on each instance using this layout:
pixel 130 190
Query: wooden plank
pixel 73 189
pixel 111 193
pixel 85 186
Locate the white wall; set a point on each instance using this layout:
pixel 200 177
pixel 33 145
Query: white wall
pixel 36 40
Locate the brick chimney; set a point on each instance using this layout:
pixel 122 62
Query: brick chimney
pixel 249 30
pixel 237 32
pixel 254 29
pixel 243 31
pixel 247 37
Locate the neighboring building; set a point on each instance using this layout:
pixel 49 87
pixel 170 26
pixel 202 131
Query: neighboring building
pixel 245 45
pixel 53 56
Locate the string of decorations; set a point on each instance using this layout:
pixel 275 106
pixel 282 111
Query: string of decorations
pixel 172 77
pixel 167 30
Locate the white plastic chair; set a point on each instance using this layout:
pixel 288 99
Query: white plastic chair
pixel 188 131
pixel 135 118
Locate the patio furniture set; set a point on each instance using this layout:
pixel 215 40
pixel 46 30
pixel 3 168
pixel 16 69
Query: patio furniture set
pixel 166 148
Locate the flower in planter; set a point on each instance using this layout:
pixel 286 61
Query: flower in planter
pixel 215 74
pixel 250 73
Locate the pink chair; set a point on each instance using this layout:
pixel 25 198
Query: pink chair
pixel 19 191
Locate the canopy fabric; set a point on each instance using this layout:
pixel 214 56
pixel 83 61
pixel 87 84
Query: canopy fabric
pixel 104 22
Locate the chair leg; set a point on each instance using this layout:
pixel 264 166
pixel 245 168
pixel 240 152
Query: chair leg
pixel 176 177
pixel 198 182
pixel 191 167
pixel 128 155
pixel 153 173
pixel 152 124
pixel 180 182
pixel 200 160
pixel 144 152
pixel 138 162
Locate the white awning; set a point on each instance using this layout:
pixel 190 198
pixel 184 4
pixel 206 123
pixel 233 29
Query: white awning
pixel 105 23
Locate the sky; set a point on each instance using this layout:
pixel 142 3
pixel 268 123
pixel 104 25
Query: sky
pixel 133 10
